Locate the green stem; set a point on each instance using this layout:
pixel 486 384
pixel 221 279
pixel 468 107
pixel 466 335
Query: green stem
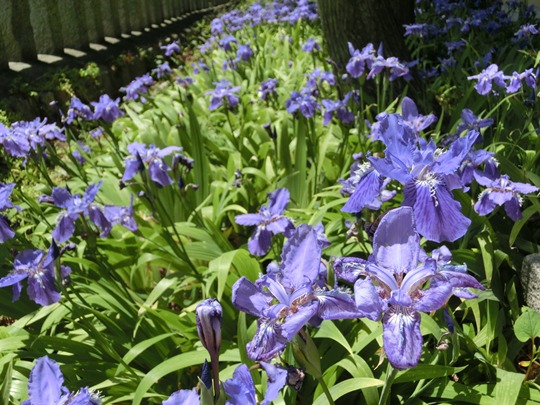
pixel 391 373
pixel 326 390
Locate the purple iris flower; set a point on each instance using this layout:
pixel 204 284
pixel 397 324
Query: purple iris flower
pixel 216 26
pixel 121 215
pixel 14 143
pixel 153 158
pixel 500 191
pixel 303 102
pixel 311 45
pixel 472 122
pixel 269 221
pixel 486 77
pixel 227 41
pixel 138 87
pixel 172 48
pixel 46 386
pixel 290 295
pixel 428 176
pixel 75 206
pixel 392 286
pixel 339 107
pixel 360 61
pixel 396 68
pixel 78 109
pixel 107 109
pixel 224 92
pixel 416 29
pixel 5 203
pixel 162 70
pixel 244 53
pixel 417 122
pixel 515 80
pixel 526 31
pixel 52 131
pixel 38 268
pixel 268 87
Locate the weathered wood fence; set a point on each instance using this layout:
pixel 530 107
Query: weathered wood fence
pixel 32 27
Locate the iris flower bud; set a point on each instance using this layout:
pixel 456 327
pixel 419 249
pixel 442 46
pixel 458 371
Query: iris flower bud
pixel 208 316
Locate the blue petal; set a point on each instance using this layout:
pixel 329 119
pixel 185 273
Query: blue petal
pixel 277 378
pixel 336 304
pixel 240 387
pixel 249 219
pixel 279 200
pixel 5 231
pixel 64 229
pixel 267 342
pixel 367 189
pixel 396 244
pixel 247 297
pixel 402 338
pixel 368 300
pixel 438 215
pixel 45 382
pixel 260 242
pixel 42 289
pixel 301 257
pixel 183 397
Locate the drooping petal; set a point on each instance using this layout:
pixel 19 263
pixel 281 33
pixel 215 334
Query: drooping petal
pixel 64 229
pixel 248 298
pixel 438 215
pixel 157 169
pixel 42 289
pixel 261 241
pixel 368 188
pixel 267 342
pixel 396 244
pixel 184 397
pixel 133 165
pixel 98 218
pixel 402 337
pixel 301 256
pixel 240 387
pixel 433 298
pixel 337 304
pixel 45 382
pixel 277 378
pixel 6 233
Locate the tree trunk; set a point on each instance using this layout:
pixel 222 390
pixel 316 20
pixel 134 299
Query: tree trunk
pixel 364 21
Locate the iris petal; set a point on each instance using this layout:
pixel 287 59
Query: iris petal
pixel 402 338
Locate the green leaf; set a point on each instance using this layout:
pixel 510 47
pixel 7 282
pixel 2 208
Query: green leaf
pixel 329 330
pixel 527 326
pixel 350 385
pixel 426 372
pixel 508 386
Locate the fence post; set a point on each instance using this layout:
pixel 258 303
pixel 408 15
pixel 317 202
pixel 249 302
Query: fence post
pixel 16 31
pixel 111 18
pixel 73 22
pixel 45 17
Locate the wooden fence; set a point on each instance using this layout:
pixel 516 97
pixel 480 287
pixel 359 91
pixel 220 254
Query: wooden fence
pixel 29 28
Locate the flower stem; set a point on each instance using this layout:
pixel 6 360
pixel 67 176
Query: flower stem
pixel 325 389
pixel 391 373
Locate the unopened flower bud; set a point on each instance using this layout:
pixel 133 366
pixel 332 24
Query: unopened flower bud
pixel 208 317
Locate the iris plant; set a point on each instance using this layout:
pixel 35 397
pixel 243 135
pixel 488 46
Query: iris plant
pixel 290 295
pixel 398 281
